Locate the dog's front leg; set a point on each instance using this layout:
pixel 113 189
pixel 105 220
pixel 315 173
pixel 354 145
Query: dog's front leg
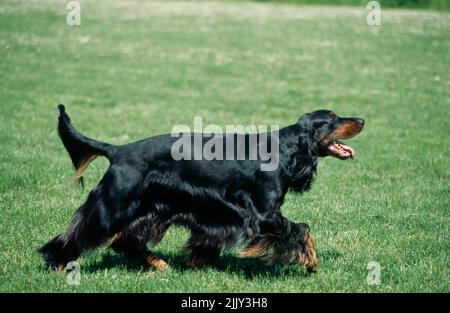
pixel 281 240
pixel 309 257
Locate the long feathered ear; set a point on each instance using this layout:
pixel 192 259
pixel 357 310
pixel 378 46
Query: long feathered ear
pixel 307 126
pixel 305 121
pixel 302 166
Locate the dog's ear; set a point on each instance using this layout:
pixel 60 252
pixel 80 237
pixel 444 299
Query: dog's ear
pixel 305 121
pixel 306 159
pixel 307 126
pixel 302 166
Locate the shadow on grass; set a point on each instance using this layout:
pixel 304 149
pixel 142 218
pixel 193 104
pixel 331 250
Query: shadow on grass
pixel 228 263
pixel 112 260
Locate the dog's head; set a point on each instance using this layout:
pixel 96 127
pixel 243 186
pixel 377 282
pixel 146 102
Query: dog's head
pixel 325 129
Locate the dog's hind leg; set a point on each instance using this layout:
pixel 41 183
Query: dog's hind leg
pixel 106 212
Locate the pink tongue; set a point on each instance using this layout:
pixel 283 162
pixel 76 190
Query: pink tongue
pixel 342 150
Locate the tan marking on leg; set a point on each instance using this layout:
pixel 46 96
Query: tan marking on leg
pixel 60 268
pixel 255 250
pixel 310 259
pixel 113 239
pixel 156 262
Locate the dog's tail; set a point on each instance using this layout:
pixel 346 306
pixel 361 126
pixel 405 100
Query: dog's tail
pixel 82 150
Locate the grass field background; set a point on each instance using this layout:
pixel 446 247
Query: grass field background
pixel 136 68
pixel 425 4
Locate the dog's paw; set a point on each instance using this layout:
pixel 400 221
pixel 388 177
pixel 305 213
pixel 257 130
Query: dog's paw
pixel 156 263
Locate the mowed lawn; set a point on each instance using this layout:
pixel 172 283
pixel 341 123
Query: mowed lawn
pixel 137 68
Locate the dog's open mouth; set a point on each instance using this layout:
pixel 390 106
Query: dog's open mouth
pixel 340 150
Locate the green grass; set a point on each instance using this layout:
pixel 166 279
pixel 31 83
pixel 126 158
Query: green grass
pixel 424 4
pixel 134 70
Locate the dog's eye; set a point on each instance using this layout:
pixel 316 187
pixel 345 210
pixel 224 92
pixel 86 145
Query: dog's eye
pixel 332 114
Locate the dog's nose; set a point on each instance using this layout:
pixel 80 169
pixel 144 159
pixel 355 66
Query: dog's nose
pixel 360 121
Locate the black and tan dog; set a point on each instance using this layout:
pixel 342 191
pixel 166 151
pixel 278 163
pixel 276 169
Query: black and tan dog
pixel 222 202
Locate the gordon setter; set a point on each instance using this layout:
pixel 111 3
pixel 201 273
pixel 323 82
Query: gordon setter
pixel 224 203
